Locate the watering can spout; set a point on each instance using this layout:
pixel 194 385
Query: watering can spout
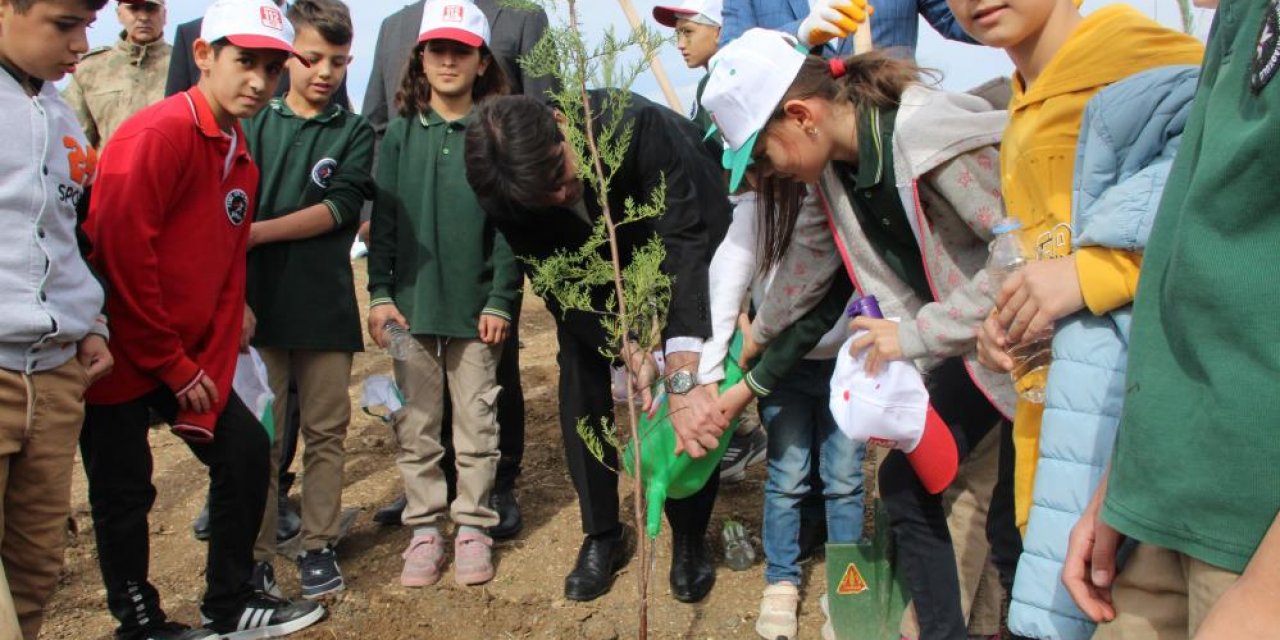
pixel 657 497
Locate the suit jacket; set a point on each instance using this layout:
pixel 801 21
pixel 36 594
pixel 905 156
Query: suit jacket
pixel 895 23
pixel 513 33
pixel 184 74
pixel 663 145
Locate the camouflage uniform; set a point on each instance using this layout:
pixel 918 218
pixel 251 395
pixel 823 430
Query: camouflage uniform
pixel 113 83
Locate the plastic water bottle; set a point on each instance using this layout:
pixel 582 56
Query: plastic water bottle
pixel 400 343
pixel 738 552
pixel 1032 356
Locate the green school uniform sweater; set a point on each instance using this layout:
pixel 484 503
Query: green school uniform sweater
pixel 1196 467
pixel 433 252
pixel 302 291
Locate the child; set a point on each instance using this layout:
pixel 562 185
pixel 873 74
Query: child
pixel 53 336
pixel 170 218
pixel 439 269
pixel 877 128
pixel 314 157
pixel 1062 60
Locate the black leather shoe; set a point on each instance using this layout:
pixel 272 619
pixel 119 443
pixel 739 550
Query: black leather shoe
pixel 509 521
pixel 599 558
pixel 288 522
pixel 200 527
pixel 692 574
pixel 390 514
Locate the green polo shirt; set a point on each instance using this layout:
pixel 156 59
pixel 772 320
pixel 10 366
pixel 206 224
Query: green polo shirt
pixel 1196 467
pixel 877 203
pixel 433 252
pixel 302 291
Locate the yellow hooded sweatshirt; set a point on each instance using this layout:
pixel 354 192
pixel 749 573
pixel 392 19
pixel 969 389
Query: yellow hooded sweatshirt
pixel 1037 159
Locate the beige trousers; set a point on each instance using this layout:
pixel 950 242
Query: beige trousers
pixel 967 501
pixel 8 617
pixel 1163 595
pixel 471 369
pixel 40 419
pixel 324 380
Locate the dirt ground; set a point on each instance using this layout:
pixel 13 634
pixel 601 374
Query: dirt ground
pixel 524 601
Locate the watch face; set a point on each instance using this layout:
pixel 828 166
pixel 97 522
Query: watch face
pixel 680 382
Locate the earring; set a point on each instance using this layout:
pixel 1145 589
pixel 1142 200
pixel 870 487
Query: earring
pixel 812 131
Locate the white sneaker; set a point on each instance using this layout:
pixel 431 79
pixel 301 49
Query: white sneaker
pixel 358 250
pixel 778 607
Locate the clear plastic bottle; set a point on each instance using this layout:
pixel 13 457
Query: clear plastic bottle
pixel 1032 356
pixel 739 554
pixel 400 343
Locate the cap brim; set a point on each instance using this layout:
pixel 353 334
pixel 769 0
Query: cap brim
pixel 450 33
pixel 737 161
pixel 935 459
pixel 249 41
pixel 668 16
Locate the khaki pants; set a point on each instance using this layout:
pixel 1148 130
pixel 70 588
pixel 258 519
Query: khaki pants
pixel 40 418
pixel 1163 595
pixel 323 379
pixel 981 596
pixel 471 367
pixel 8 617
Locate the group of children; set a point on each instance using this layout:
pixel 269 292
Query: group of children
pixel 220 218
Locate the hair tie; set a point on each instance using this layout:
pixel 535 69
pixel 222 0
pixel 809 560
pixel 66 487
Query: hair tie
pixel 837 68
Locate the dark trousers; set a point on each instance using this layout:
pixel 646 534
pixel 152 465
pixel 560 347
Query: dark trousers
pixel 510 418
pixel 585 394
pixel 117 461
pixel 919 521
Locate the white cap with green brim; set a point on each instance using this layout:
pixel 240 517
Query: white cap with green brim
pixel 749 76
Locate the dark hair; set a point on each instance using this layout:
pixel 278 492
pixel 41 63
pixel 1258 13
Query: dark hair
pixel 23 6
pixel 513 150
pixel 414 95
pixel 330 18
pixel 873 80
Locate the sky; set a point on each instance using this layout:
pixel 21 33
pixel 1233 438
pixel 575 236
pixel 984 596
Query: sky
pixel 962 66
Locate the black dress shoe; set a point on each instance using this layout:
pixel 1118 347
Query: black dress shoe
pixel 509 521
pixel 200 527
pixel 288 521
pixel 692 574
pixel 599 558
pixel 390 514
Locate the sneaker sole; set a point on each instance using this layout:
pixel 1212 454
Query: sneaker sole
pixel 419 582
pixel 278 630
pixel 333 586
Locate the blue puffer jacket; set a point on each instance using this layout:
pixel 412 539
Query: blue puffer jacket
pixel 1128 137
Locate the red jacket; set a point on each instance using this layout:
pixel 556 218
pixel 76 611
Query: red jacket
pixel 169 220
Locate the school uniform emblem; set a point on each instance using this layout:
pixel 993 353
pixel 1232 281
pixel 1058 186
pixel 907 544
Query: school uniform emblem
pixel 237 204
pixel 1266 54
pixel 323 172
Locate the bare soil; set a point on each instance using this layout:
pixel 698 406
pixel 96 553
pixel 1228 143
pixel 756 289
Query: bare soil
pixel 525 600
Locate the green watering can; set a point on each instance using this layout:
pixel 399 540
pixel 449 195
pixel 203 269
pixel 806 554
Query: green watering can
pixel 667 475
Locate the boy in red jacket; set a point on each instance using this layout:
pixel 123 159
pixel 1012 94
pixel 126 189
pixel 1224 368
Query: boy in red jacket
pixel 170 218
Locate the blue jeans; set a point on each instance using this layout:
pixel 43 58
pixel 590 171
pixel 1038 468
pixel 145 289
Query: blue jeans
pixel 797 419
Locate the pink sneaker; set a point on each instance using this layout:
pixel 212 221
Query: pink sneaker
pixel 472 558
pixel 423 561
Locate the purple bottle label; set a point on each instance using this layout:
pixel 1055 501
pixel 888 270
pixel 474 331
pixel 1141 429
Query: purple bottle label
pixel 864 306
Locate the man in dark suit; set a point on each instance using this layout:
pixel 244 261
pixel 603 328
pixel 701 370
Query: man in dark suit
pixel 183 73
pixel 514 33
pixel 540 216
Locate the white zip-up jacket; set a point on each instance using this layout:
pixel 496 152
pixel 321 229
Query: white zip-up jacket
pixel 49 299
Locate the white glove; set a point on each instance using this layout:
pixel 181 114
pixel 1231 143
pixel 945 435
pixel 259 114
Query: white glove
pixel 830 19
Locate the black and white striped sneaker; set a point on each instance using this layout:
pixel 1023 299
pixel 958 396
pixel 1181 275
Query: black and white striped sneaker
pixel 265 616
pixel 264 580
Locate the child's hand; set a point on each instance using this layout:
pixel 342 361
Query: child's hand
pixel 880 342
pixel 493 330
pixel 94 356
pixel 734 400
pixel 200 395
pixel 991 345
pixel 750 348
pixel 1036 296
pixel 249 327
pixel 379 316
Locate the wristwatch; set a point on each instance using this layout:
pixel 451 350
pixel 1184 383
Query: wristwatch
pixel 680 383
